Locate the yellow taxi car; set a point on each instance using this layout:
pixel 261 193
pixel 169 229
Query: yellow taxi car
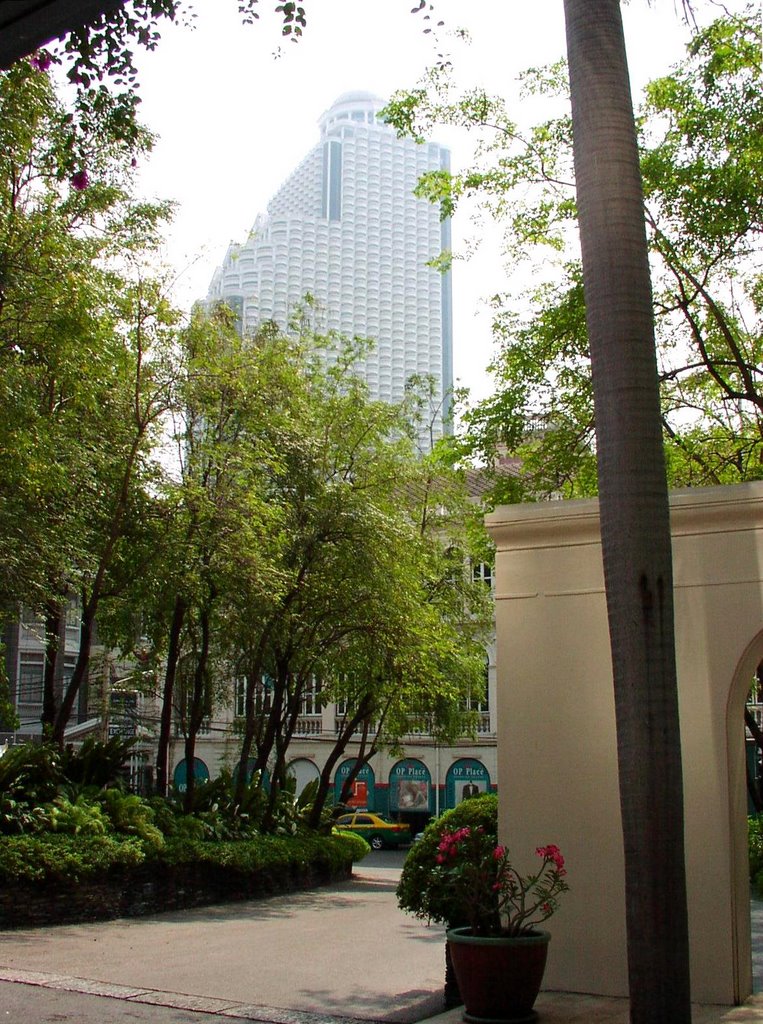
pixel 377 830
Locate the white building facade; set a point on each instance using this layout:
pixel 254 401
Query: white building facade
pixel 347 229
pixel 416 782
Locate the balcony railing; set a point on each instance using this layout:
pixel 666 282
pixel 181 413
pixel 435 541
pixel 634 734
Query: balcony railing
pixel 308 725
pixel 483 723
pixel 484 727
pixel 340 723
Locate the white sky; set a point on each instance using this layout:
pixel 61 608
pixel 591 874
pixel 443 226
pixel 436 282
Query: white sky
pixel 233 121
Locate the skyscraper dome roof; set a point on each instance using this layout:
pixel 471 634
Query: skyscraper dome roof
pixel 356 96
pixel 357 99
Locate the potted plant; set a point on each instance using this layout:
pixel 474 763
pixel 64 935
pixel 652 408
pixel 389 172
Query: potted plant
pixel 498 951
pixel 421 891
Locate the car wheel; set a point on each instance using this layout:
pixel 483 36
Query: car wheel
pixel 376 843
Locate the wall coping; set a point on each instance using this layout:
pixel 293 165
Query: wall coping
pixel 693 510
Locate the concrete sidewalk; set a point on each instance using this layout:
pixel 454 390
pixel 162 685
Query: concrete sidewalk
pixel 336 955
pixel 338 951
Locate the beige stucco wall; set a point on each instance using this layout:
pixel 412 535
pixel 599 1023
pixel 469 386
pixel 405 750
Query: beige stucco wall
pixel 557 766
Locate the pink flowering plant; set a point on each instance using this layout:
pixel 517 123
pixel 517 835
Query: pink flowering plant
pixel 486 891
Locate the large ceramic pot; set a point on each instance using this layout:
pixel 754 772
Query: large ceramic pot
pixel 499 977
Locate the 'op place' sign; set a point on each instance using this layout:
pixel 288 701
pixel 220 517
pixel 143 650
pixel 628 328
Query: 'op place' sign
pixel 466 777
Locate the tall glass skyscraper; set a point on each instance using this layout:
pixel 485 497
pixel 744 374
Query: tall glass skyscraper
pixel 346 228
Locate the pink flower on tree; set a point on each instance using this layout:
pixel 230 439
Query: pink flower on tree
pixel 552 853
pixel 476 883
pixel 80 180
pixel 41 60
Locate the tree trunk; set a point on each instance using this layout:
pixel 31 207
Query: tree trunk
pixel 81 667
pixel 342 740
pixel 168 692
pixel 252 724
pixel 635 515
pixel 53 675
pixel 199 701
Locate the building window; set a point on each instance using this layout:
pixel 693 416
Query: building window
pixel 311 697
pixel 239 697
pixel 482 571
pixel 263 689
pixel 479 700
pixel 73 618
pixel 30 681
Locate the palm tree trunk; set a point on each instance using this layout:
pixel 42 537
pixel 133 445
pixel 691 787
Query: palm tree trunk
pixel 635 514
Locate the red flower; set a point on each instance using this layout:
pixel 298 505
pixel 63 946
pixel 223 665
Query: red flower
pixel 553 853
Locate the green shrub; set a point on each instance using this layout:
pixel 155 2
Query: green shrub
pixel 358 845
pixel 54 877
pixel 30 775
pixel 97 763
pixel 61 857
pixel 420 890
pixel 78 817
pixel 131 815
pixel 264 853
pixel 755 848
pixel 216 810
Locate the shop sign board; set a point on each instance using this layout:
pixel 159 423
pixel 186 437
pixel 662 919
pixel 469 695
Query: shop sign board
pixel 362 795
pixel 180 775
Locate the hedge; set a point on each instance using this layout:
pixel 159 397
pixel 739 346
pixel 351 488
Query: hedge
pixel 54 879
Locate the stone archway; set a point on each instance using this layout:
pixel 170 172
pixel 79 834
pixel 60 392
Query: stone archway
pixel 556 733
pixel 739 690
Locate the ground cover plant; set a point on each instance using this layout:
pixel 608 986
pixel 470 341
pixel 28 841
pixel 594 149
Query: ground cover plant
pixel 76 845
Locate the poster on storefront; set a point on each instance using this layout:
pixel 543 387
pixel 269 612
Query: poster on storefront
pixel 409 786
pixel 359 795
pixel 412 796
pixel 362 793
pixel 466 778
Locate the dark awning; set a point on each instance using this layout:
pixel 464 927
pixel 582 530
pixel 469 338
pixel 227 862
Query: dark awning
pixel 26 25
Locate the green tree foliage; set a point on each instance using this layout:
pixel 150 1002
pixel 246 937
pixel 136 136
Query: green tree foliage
pixel 299 535
pixel 702 165
pixel 310 543
pixel 83 378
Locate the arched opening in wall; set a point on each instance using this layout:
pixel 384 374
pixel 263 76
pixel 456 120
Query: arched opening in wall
pixel 745 720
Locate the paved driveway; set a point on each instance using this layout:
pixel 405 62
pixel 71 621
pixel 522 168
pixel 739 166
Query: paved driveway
pixel 343 950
